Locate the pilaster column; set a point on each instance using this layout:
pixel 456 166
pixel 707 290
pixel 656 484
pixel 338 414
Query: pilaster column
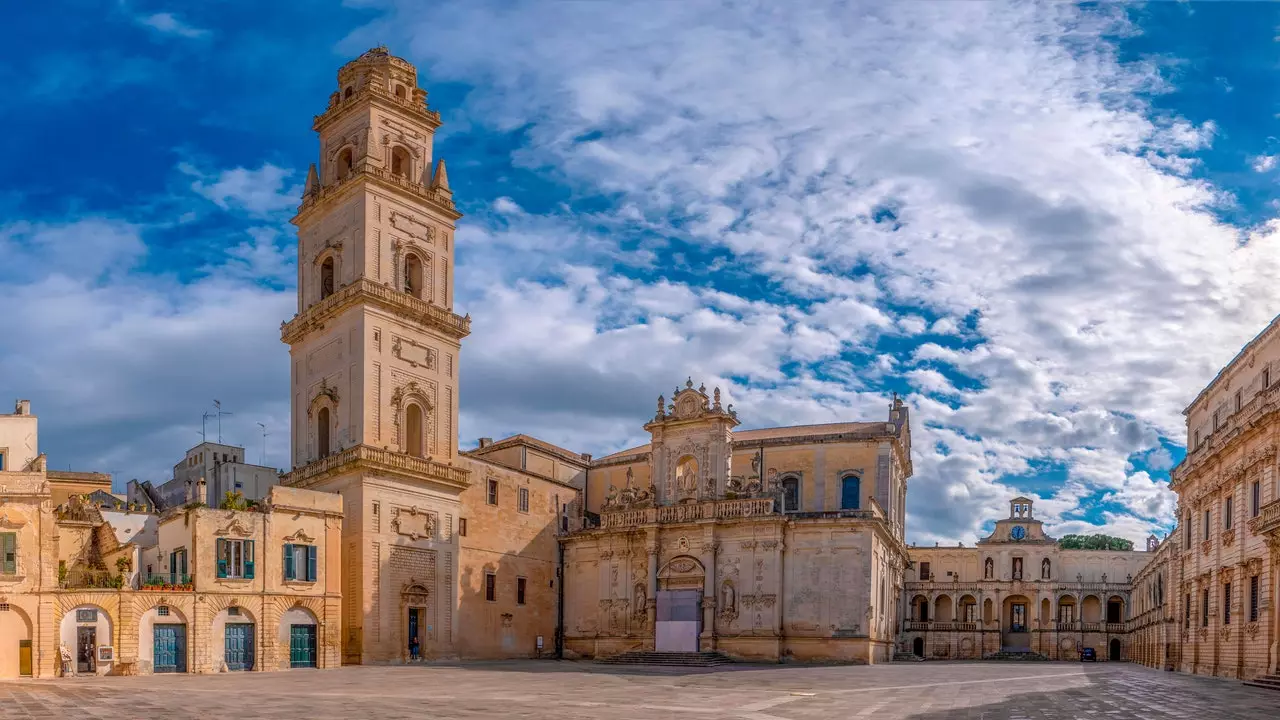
pixel 709 592
pixel 651 611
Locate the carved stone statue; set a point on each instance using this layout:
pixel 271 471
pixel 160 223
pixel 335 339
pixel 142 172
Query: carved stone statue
pixel 641 598
pixel 728 599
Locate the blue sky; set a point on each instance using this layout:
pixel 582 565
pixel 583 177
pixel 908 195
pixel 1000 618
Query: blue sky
pixel 1046 226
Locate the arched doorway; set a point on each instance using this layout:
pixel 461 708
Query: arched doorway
pixel 297 632
pixel 322 432
pixel 15 643
pixel 1015 626
pixel 84 629
pixel 162 640
pixel 415 601
pixel 679 616
pixel 413 429
pixel 1113 650
pixel 234 640
pixel 917 647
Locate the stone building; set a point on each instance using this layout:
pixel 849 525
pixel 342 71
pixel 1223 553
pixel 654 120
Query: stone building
pixel 1154 629
pixel 222 467
pixel 1019 591
pixel 774 544
pixel 1223 578
pixel 435 541
pixel 130 592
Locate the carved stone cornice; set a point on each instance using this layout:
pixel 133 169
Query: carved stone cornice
pixel 380 462
pixel 375 93
pixel 366 291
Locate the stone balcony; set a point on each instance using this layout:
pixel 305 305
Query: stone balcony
pixel 1268 520
pixel 440 199
pixel 377 461
pixel 687 512
pixel 364 290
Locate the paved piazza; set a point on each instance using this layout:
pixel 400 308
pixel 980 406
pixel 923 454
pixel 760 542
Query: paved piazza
pixel 569 691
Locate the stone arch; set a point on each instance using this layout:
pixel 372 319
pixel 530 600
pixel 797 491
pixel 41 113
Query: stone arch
pixel 147 610
pixel 415 273
pixel 920 609
pixel 344 162
pixel 683 572
pixel 404 397
pixel 988 611
pixel 967 610
pixel 327 271
pixel 220 608
pixel 401 161
pixel 943 609
pixel 322 416
pixel 15 627
pixel 400 92
pixel 414 425
pixel 1046 612
pixel 1116 606
pixel 791 486
pixel 420 282
pixel 1091 609
pixel 1068 611
pixel 288 612
pixel 104 624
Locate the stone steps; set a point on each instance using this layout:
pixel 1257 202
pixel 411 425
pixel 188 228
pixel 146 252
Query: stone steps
pixel 1271 682
pixel 907 657
pixel 670 659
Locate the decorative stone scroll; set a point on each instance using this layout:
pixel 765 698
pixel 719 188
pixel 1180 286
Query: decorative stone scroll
pixel 414 523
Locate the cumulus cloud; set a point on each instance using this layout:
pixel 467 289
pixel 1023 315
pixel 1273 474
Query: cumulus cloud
pixel 1264 163
pixel 169 24
pixel 261 193
pixel 975 160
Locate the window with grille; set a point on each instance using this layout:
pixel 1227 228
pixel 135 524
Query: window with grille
pixel 522 502
pixel 492 497
pixel 520 584
pixel 1253 599
pixel 233 611
pixel 1226 515
pixel 924 571
pixel 1255 504
pixel 462 527
pixel 162 610
pixel 4 607
pixel 1186 615
pixel 1226 604
pixel 87 615
pixel 1206 524
pixel 490 587
pixel 1204 608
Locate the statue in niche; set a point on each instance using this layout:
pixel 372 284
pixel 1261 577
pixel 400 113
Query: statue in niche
pixel 641 599
pixel 728 598
pixel 988 569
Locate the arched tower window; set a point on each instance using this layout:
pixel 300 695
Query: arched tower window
pixel 791 494
pixel 326 278
pixel 322 431
pixel 413 280
pixel 400 92
pixel 345 163
pixel 413 430
pixel 348 92
pixel 850 493
pixel 400 162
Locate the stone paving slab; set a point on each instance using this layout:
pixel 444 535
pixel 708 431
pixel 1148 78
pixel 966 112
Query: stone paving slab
pixel 538 690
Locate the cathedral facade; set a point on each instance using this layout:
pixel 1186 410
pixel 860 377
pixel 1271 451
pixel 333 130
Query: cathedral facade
pixel 776 544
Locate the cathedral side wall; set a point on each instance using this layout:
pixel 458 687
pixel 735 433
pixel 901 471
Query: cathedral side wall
pixel 511 541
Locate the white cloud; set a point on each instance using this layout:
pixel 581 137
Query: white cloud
pixel 1264 163
pixel 261 193
pixel 169 24
pixel 1029 186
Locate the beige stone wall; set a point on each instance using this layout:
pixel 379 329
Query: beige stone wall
pixel 509 544
pixel 774 587
pixel 18 440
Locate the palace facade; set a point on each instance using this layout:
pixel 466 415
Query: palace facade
pixel 1019 591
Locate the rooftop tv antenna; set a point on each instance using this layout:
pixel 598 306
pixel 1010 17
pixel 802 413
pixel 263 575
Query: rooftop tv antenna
pixel 217 404
pixel 262 459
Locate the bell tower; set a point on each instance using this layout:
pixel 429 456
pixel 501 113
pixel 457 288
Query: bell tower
pixel 374 351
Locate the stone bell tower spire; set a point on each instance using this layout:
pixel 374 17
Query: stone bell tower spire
pixel 374 349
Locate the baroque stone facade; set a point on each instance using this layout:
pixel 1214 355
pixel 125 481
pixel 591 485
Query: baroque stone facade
pixel 768 545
